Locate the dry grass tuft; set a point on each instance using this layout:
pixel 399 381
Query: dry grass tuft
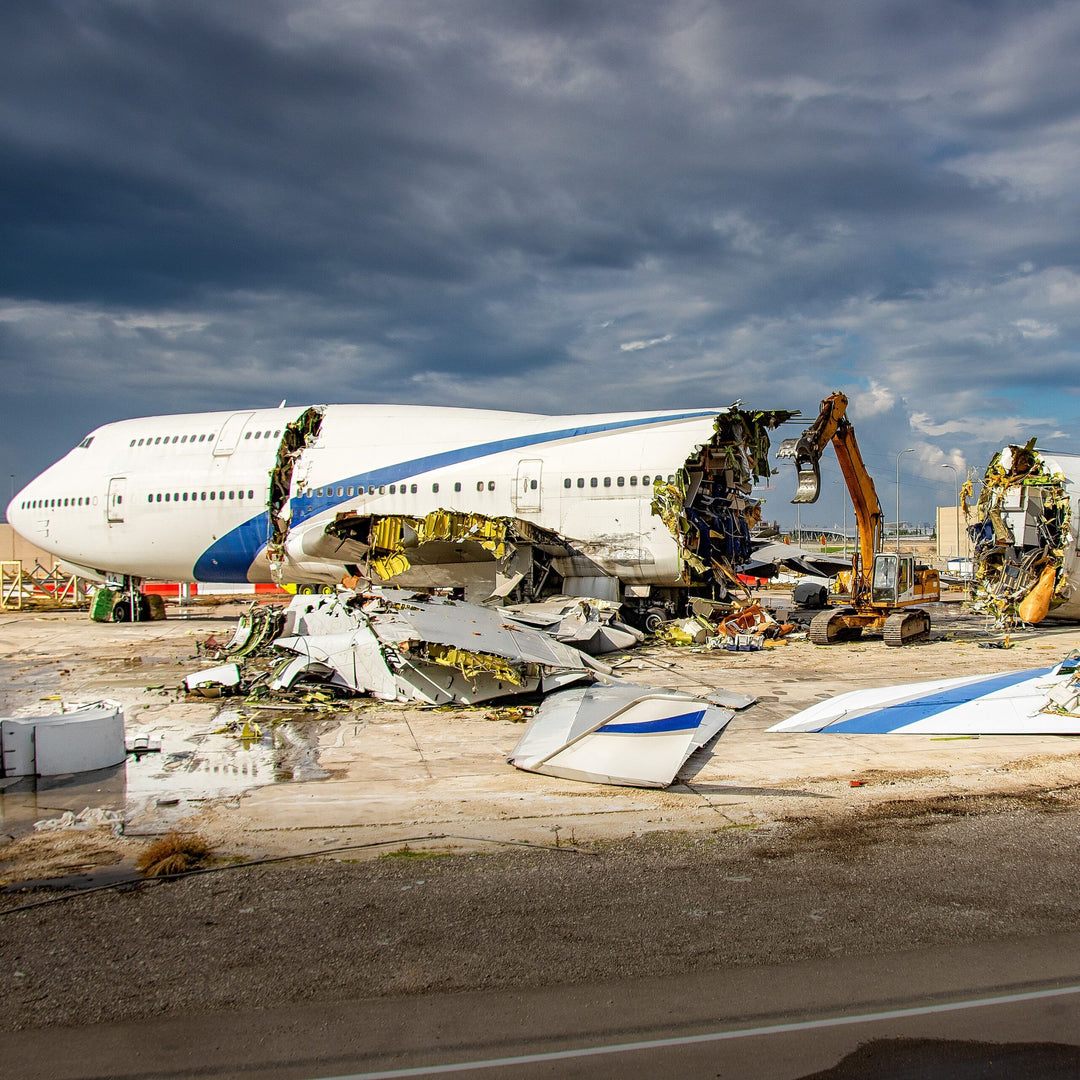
pixel 173 853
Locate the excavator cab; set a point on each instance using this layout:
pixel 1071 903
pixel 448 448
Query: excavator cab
pixel 893 580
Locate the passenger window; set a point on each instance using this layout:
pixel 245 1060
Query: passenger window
pixel 258 434
pixel 435 489
pixel 132 443
pixel 251 494
pixel 318 492
pixel 213 495
pixel 232 494
pixel 185 496
pixel 671 479
pixel 158 497
pixel 202 496
pixel 277 433
pixel 184 439
pixel 633 481
pixel 593 482
pixel 491 485
pixel 566 482
pixel 479 485
pixel 393 489
pixel 382 489
pixel 191 438
pixel 658 479
pixel 412 488
pixel 581 481
pixel 247 434
pixel 176 438
pixel 210 438
pixel 157 440
pixel 607 481
pixel 240 494
pixel 167 499
pixel 341 491
pixel 140 442
pixel 621 482
pixel 201 438
pixel 371 489
pixel 457 485
pixel 532 485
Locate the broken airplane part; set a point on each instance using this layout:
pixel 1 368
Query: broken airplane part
pixel 1025 537
pixel 620 506
pixel 1043 701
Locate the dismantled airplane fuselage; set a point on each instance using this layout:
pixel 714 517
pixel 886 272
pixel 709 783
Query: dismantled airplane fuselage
pixel 575 532
pixel 1025 537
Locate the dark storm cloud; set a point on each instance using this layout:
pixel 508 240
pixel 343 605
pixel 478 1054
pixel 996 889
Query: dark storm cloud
pixel 551 205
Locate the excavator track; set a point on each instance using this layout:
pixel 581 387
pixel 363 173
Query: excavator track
pixel 827 627
pixel 907 627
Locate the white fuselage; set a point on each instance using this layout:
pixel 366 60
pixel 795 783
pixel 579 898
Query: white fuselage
pixel 185 497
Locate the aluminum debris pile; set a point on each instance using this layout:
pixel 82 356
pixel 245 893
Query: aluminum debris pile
pixel 745 626
pixel 1020 536
pixel 395 647
pixel 422 650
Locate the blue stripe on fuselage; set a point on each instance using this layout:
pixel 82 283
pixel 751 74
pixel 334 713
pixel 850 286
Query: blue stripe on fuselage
pixel 903 713
pixel 229 558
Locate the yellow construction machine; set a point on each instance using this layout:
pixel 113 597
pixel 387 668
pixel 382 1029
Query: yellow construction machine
pixel 885 586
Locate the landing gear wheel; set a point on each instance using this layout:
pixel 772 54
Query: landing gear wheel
pixel 305 590
pixel 121 611
pixel 827 628
pixel 654 619
pixel 906 627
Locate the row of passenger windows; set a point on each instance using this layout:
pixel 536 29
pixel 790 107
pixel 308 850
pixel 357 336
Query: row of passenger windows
pixel 343 491
pixel 155 441
pixel 620 481
pixel 42 504
pixel 198 496
pixel 401 489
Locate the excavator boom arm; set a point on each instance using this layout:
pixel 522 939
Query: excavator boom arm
pixel 833 426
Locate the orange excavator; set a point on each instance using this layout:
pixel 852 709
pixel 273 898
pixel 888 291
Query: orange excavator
pixel 885 586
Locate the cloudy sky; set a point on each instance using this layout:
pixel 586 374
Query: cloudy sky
pixel 551 206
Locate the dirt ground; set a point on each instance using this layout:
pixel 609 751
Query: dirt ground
pixel 375 777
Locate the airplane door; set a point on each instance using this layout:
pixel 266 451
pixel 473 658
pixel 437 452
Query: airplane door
pixel 114 503
pixel 229 435
pixel 527 485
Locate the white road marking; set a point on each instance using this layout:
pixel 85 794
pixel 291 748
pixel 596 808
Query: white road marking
pixel 714 1036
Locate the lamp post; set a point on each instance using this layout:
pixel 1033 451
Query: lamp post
pixel 909 450
pixel 956 505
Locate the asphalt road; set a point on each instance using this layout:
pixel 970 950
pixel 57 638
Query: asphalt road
pixel 339 969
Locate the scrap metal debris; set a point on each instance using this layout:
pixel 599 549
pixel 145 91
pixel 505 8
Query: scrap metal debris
pixel 1021 535
pixel 434 651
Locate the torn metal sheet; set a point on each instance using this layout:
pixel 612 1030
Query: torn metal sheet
pixel 1042 701
pixel 618 733
pixel 1024 538
pixel 221 677
pixel 589 625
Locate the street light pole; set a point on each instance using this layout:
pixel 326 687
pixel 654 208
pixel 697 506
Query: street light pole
pixel 956 505
pixel 909 450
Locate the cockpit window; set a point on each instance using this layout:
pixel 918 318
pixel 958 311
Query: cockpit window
pixel 85 443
